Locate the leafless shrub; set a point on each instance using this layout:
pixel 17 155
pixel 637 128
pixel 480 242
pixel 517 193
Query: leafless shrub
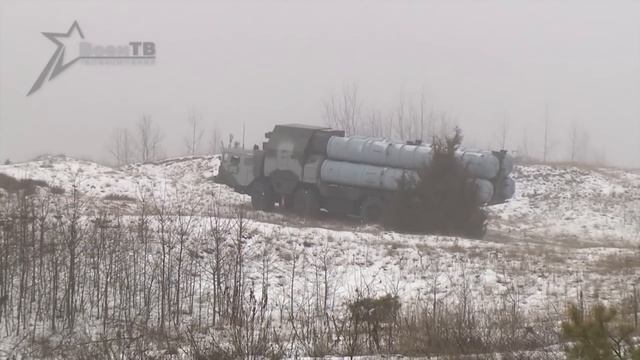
pixel 13 185
pixel 376 319
pixel 118 197
pixel 167 281
pixel 56 190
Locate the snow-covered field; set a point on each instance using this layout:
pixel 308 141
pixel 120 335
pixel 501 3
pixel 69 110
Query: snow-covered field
pixel 595 206
pixel 598 206
pixel 567 231
pixel 172 180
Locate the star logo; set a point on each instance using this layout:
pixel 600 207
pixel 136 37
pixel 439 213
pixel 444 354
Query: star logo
pixel 133 52
pixel 56 64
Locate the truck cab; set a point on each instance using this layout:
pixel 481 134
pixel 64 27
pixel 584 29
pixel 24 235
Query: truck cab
pixel 286 170
pixel 237 168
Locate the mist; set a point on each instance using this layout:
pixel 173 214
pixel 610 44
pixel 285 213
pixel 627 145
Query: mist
pixel 492 67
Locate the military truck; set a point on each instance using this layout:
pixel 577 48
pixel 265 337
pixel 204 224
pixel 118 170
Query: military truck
pixel 309 169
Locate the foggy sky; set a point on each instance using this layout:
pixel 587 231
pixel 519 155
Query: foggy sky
pixel 268 62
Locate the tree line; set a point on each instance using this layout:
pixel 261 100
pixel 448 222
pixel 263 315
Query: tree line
pixel 414 118
pixel 144 143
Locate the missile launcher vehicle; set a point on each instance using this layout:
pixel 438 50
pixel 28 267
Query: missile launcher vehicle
pixel 308 169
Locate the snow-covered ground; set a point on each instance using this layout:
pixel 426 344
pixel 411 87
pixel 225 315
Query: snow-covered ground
pixel 565 205
pixel 174 180
pixel 594 206
pixel 567 230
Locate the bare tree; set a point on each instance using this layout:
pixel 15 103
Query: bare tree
pixel 120 146
pixel 545 149
pixel 215 140
pixel 422 118
pixel 343 111
pixel 374 124
pixel 579 146
pixel 523 150
pixel 194 139
pixel 150 139
pixel 73 235
pixel 504 132
pixel 408 120
pixel 574 142
pixel 583 146
pixel 403 125
pixel 446 124
pixel 411 120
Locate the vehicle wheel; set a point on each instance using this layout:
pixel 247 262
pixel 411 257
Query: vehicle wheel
pixel 262 196
pixel 476 227
pixel 371 210
pixel 306 202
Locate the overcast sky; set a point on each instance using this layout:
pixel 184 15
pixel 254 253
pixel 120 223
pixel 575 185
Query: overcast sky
pixel 268 62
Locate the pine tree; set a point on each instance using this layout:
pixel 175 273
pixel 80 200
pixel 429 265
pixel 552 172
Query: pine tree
pixel 598 335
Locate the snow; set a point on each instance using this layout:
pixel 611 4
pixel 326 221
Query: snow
pixel 173 179
pixel 547 244
pixel 594 206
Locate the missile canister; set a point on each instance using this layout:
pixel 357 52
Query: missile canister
pixel 369 176
pixel 483 190
pixel 381 152
pixel 482 165
pixel 508 188
pixel 374 151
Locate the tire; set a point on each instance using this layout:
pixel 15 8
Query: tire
pixel 372 210
pixel 262 196
pixel 476 226
pixel 306 202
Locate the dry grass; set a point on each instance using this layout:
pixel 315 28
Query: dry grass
pixel 118 197
pixel 566 164
pixel 617 264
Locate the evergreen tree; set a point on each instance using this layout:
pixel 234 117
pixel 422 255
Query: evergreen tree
pixel 598 335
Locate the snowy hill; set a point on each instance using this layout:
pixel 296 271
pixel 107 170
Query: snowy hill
pixel 561 234
pixel 171 179
pixel 591 205
pixel 555 203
